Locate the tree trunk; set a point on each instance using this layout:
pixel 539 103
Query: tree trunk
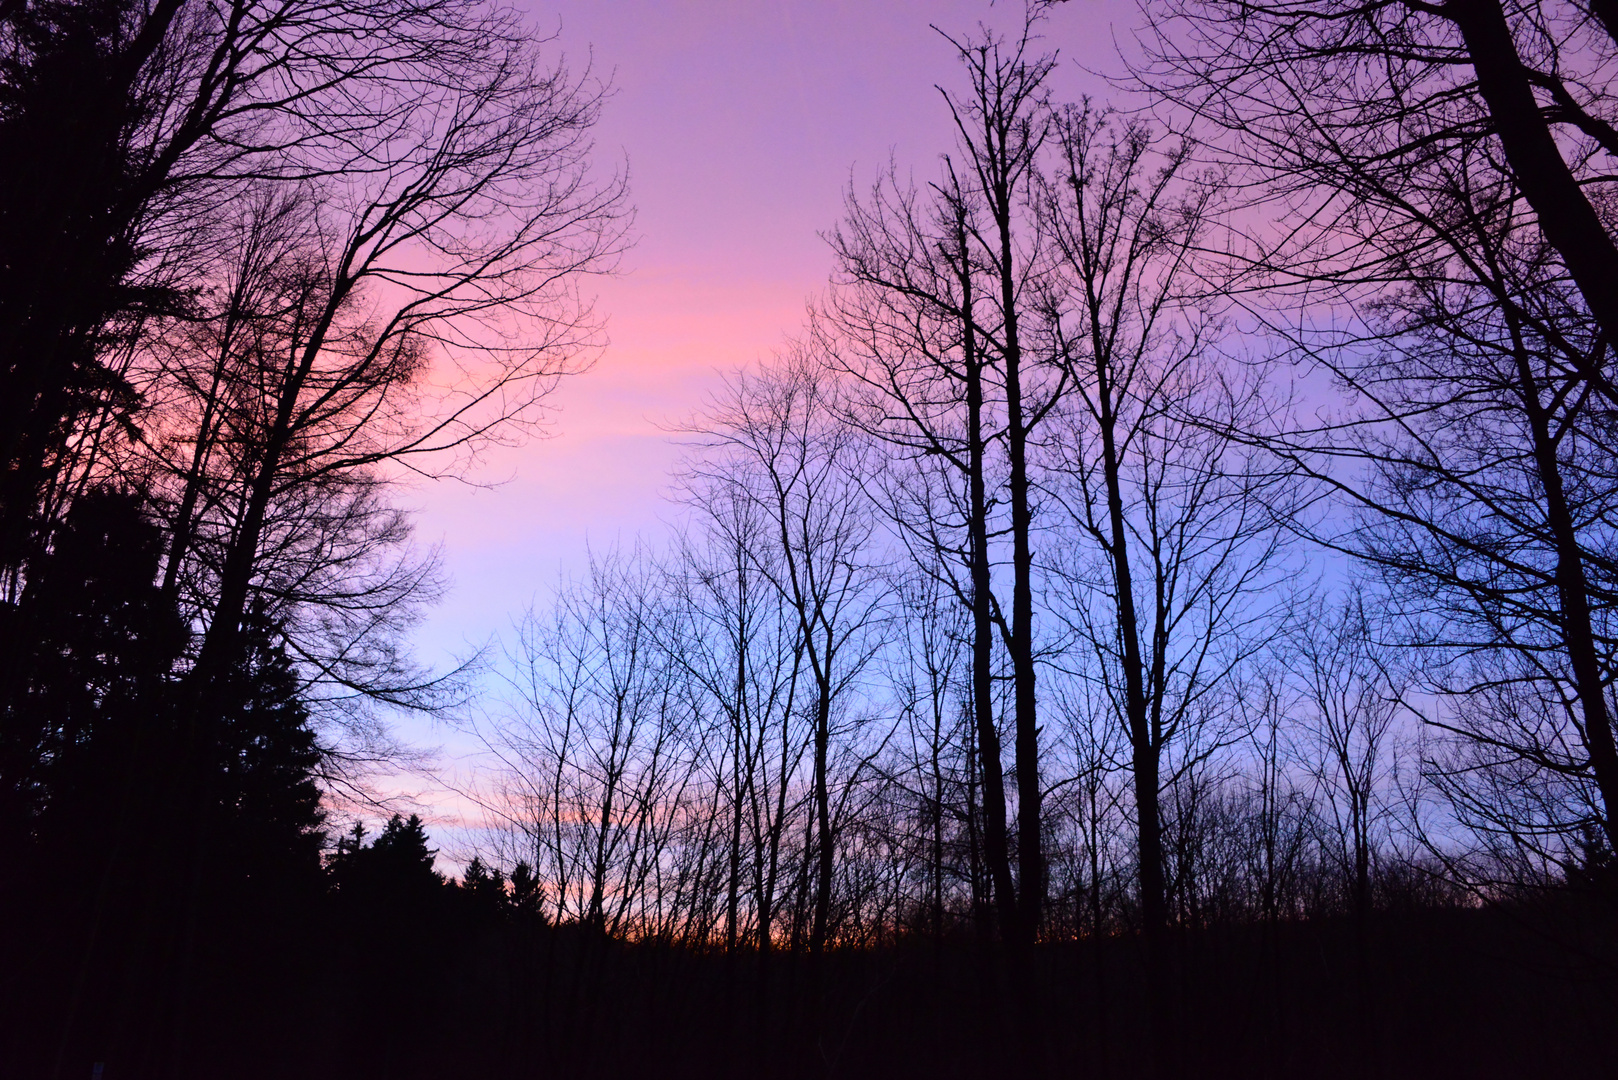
pixel 1144 748
pixel 1573 594
pixel 995 848
pixel 1567 219
pixel 823 874
pixel 1030 854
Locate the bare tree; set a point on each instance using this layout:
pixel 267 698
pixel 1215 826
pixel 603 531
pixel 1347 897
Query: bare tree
pixel 466 250
pixel 332 567
pixel 934 702
pixel 932 322
pixel 1442 247
pixel 1355 692
pixel 775 442
pixel 1169 588
pixel 1003 124
pixel 1397 74
pixel 601 748
pixel 1091 798
pixel 174 108
pixel 747 661
pixel 903 326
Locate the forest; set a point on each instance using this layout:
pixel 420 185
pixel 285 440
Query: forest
pixel 1157 616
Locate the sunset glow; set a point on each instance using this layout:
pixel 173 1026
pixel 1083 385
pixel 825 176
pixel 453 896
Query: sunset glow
pixel 742 125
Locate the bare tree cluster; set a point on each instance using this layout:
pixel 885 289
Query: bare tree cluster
pixel 1166 523
pixel 349 242
pixel 765 737
pixel 1440 179
pixel 1172 526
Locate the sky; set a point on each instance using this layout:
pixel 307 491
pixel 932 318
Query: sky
pixel 742 125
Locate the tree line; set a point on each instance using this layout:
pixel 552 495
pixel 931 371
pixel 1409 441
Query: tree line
pixel 1155 607
pixel 1169 520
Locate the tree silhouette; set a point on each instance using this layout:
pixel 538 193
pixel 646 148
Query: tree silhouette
pixel 69 101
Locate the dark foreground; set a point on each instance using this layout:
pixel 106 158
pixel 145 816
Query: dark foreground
pixel 457 985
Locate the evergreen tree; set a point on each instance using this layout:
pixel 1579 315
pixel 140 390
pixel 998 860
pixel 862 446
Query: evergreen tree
pixel 266 759
pixel 86 658
pixel 101 757
pixel 525 894
pixel 396 937
pixel 70 104
pixel 484 890
pixel 389 880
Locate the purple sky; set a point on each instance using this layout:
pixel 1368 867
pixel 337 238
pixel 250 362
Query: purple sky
pixel 740 123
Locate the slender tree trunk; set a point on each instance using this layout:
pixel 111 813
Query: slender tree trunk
pixel 1153 904
pixel 1097 941
pixel 824 852
pixel 1362 943
pixel 734 862
pixel 823 855
pixel 1573 594
pixel 938 825
pixel 1271 970
pixel 595 916
pixel 1144 747
pixel 766 906
pixel 995 849
pixel 1030 854
pixel 974 844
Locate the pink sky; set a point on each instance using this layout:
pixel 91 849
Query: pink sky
pixel 740 123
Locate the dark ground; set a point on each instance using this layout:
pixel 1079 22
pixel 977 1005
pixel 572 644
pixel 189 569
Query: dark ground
pixel 451 988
